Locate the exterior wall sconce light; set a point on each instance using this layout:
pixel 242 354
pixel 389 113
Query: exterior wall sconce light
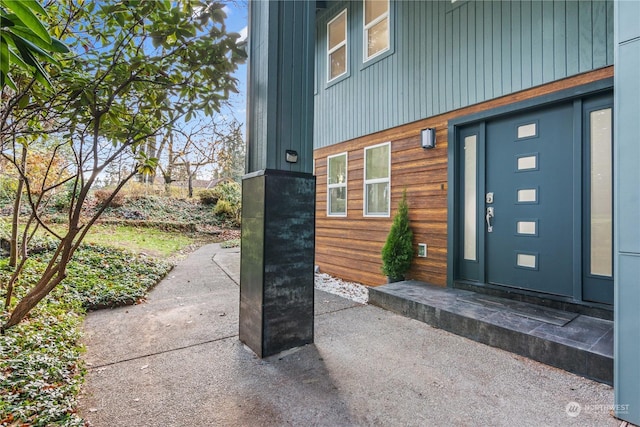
pixel 291 156
pixel 428 138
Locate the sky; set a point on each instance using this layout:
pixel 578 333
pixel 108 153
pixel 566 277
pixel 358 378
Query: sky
pixel 237 19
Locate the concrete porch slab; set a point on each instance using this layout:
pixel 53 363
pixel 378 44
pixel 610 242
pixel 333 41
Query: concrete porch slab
pixel 574 342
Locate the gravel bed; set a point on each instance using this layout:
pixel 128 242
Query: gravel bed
pixel 350 290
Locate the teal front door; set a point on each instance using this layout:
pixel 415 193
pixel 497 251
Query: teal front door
pixel 535 200
pixel 529 201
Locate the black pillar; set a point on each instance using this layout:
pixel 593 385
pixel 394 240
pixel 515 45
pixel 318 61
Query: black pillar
pixel 276 294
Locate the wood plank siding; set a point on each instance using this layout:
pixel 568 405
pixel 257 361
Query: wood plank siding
pixel 445 56
pixel 349 247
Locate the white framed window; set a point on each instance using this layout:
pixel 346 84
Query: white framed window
pixel 376 36
pixel 337 46
pixel 337 185
pixel 377 180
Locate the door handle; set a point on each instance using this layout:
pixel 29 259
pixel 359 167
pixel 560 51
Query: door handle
pixel 489 215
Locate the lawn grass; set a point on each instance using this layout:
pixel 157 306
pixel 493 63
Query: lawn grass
pixel 150 241
pixel 145 240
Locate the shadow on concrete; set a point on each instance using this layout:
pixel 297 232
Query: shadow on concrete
pixel 176 360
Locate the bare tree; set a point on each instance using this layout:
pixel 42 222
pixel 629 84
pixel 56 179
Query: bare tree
pixel 191 148
pixel 231 153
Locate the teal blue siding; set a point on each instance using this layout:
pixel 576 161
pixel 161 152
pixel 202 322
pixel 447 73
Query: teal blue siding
pixel 516 47
pixel 627 210
pixel 258 84
pixel 573 35
pixel 281 101
pixel 447 56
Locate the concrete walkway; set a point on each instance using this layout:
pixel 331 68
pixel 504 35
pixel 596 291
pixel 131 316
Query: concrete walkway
pixel 175 360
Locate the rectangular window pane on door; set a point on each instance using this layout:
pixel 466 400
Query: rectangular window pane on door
pixel 526 260
pixel 527 131
pixel 527 163
pixel 527 195
pixel 601 193
pixel 470 198
pixel 526 227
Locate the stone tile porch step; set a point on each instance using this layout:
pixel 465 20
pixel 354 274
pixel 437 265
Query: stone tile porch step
pixel 574 342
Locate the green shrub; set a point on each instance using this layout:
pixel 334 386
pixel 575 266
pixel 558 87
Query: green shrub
pixel 208 197
pixel 8 188
pixel 62 200
pixel 229 191
pixel 397 252
pixel 229 202
pixel 224 208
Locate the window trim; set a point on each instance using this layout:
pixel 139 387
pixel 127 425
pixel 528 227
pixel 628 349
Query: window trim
pixel 376 181
pixel 366 27
pixel 344 43
pixel 339 185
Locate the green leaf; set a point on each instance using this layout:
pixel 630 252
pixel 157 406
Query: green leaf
pixel 25 45
pixel 22 9
pixel 23 101
pixel 41 75
pixel 26 34
pixel 4 56
pixel 15 59
pixel 43 79
pixel 8 20
pixel 5 79
pixel 58 46
pixel 35 6
pixel 119 18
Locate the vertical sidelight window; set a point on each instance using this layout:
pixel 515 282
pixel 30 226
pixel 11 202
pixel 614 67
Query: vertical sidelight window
pixel 337 46
pixel 337 185
pixel 377 176
pixel 376 28
pixel 470 198
pixel 601 176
